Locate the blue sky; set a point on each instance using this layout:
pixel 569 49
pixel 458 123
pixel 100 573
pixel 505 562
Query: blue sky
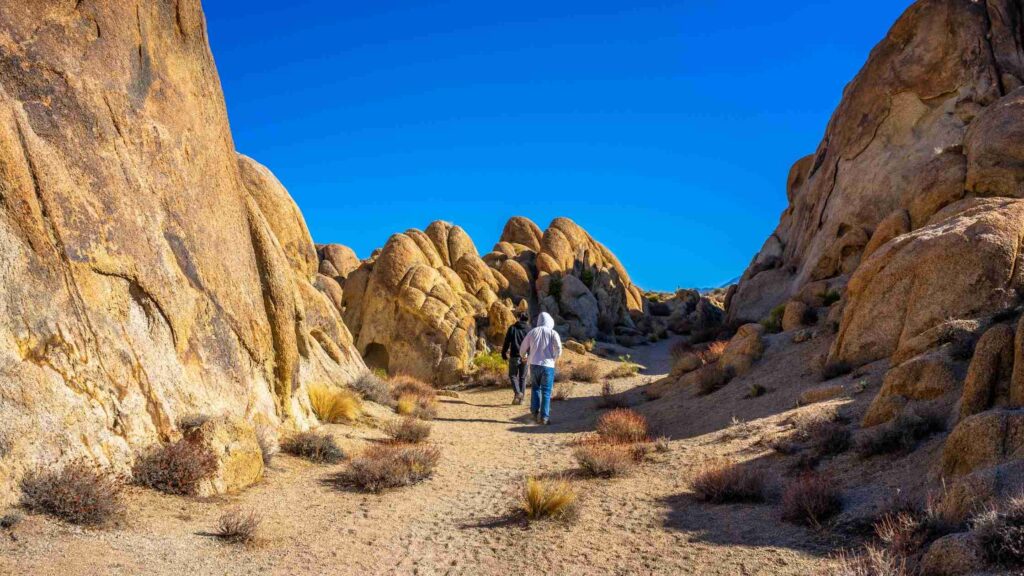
pixel 666 129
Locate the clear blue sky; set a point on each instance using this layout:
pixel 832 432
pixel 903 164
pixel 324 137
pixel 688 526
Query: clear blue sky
pixel 666 129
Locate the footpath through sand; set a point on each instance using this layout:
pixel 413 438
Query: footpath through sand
pixel 455 523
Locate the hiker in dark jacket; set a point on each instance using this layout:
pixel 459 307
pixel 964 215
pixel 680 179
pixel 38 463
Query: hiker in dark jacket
pixel 510 351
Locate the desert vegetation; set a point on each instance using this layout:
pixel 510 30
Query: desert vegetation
pixel 725 481
pixel 548 499
pixel 408 430
pixel 626 368
pixel 313 446
pixel 811 499
pixel 902 434
pixel 77 493
pixel 238 526
pixel 384 466
pixel 175 468
pixel 371 387
pixel 334 405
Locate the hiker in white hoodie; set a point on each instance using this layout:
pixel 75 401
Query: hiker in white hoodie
pixel 541 347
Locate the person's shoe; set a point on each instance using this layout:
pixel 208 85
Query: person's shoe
pixel 536 418
pixel 518 399
pixel 546 421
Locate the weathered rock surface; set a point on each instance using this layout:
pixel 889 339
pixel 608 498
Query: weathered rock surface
pixel 233 443
pixel 148 271
pixel 926 377
pixel 745 348
pixel 984 440
pixel 954 555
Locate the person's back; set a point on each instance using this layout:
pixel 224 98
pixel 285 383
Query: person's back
pixel 510 351
pixel 542 347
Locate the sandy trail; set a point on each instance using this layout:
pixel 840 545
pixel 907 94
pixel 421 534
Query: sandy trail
pixel 455 523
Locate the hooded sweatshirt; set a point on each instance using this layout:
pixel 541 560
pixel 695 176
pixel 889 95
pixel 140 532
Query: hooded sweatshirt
pixel 542 346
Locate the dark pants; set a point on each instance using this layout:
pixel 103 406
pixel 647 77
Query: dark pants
pixel 517 375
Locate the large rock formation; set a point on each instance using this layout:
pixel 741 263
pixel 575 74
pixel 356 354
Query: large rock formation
pixel 426 303
pixel 148 271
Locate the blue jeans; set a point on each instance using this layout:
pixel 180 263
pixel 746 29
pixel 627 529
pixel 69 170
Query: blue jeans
pixel 542 380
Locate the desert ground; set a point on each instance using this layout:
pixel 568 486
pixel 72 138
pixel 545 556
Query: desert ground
pixel 459 521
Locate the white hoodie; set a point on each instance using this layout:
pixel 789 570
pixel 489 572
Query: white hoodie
pixel 542 345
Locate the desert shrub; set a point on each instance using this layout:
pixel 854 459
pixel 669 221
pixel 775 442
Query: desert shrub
pixel 605 460
pixel 385 466
pixel 402 385
pixel 587 277
pixel 622 426
pixel 373 388
pixel 313 446
pixel 625 369
pixel 266 437
pixel 661 444
pixel 902 434
pixel 610 398
pixel 724 481
pixel 548 499
pixel 773 321
pixel 819 394
pixel 680 349
pixel 380 373
pixel 1000 530
pixel 11 519
pixel 832 296
pixel 238 526
pixel 835 369
pixel 422 407
pixel 756 391
pixel 829 439
pixel 333 405
pixel 408 430
pixel 562 391
pixel 713 377
pixel 586 372
pixel 810 500
pixel 175 468
pixel 555 287
pixel 491 369
pixel 713 352
pixel 873 561
pixel 77 493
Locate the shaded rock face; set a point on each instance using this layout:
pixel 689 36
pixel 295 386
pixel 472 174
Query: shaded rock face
pixel 148 271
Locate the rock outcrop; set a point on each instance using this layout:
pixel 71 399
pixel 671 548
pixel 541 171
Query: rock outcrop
pixel 148 271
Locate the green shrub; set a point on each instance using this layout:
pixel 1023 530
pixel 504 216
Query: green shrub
pixel 832 296
pixel 773 322
pixel 555 287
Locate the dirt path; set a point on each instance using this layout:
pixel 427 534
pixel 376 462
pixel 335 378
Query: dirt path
pixel 455 523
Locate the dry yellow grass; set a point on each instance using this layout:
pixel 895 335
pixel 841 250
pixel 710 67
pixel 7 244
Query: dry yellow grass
pixel 548 499
pixel 402 385
pixel 820 394
pixel 333 405
pixel 420 407
pixel 622 426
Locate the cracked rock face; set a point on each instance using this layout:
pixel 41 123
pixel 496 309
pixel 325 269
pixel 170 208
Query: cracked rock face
pixel 889 201
pixel 147 270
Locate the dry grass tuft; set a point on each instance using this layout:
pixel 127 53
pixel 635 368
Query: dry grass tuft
pixel 548 499
pixel 403 385
pixel 239 526
pixel 586 372
pixel 605 460
pixel 175 468
pixel 610 398
pixel 819 394
pixel 810 500
pixel 385 466
pixel 422 407
pixel 313 446
pixel 874 561
pixel 713 352
pixel 408 430
pixel 333 405
pixel 713 377
pixel 625 369
pixel 622 426
pixel 725 481
pixel 563 391
pixel 77 493
pixel 371 387
pixel 1000 529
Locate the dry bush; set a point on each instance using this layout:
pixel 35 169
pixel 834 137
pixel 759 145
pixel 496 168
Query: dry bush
pixel 819 394
pixel 586 372
pixel 662 444
pixel 725 481
pixel 713 377
pixel 313 446
pixel 828 438
pixel 266 437
pixel 874 561
pixel 422 407
pixel 11 519
pixel 563 391
pixel 835 369
pixel 902 434
pixel 385 466
pixel 1000 529
pixel 610 398
pixel 756 391
pixel 408 430
pixel 77 493
pixel 334 405
pixel 605 460
pixel 239 526
pixel 403 385
pixel 625 369
pixel 622 426
pixel 548 499
pixel 680 349
pixel 810 500
pixel 370 387
pixel 175 468
pixel 713 352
